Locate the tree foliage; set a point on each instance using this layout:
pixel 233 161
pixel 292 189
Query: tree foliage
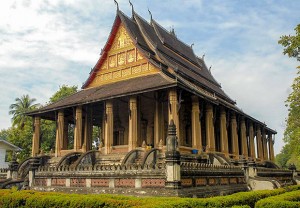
pixel 21 137
pixel 63 92
pixel 291 151
pixel 291 44
pixel 19 108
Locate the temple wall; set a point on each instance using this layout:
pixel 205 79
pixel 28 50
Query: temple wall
pixel 107 176
pixel 269 178
pixel 199 174
pixel 137 180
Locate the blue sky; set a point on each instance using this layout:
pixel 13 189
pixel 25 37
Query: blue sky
pixel 45 44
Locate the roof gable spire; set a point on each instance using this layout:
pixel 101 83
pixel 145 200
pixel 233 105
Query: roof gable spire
pixel 132 9
pixel 172 31
pixel 117 5
pixel 150 15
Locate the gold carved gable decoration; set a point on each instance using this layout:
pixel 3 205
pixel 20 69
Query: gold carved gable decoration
pixel 123 61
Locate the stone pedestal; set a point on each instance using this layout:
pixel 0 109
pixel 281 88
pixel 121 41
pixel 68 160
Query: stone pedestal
pixel 13 169
pixel 34 163
pixel 172 159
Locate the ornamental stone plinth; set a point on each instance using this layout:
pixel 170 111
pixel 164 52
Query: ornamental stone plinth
pixel 172 159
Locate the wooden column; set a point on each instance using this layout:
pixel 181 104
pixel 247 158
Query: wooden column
pixel 65 139
pixel 133 124
pixel 271 148
pixel 223 132
pixel 88 131
pixel 244 139
pixel 251 141
pixel 78 129
pixel 196 125
pixel 210 132
pixel 158 122
pixel 59 133
pixel 36 136
pixel 234 137
pixel 264 140
pixel 103 128
pixel 174 112
pixel 259 144
pixel 109 126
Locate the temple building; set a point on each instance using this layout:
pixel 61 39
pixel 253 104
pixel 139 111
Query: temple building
pixel 163 120
pixel 144 78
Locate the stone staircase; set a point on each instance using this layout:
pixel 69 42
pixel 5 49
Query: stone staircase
pixel 113 158
pixel 52 162
pixel 139 159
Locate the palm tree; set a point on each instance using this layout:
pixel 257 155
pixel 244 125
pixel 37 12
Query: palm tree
pixel 18 110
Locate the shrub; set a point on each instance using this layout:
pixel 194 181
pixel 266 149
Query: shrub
pixel 288 197
pixel 286 200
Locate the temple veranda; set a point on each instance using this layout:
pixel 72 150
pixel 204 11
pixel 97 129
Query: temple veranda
pixel 140 121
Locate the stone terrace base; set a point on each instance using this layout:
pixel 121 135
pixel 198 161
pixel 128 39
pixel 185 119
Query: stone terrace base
pixel 206 191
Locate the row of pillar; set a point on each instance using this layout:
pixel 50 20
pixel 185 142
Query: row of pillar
pixel 61 141
pixel 82 139
pixel 247 149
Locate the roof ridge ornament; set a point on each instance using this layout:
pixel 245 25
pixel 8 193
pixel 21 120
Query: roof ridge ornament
pixel 172 31
pixel 150 15
pixel 117 5
pixel 132 9
pixel 192 45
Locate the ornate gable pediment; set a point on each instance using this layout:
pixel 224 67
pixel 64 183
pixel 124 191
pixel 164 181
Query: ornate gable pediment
pixel 123 61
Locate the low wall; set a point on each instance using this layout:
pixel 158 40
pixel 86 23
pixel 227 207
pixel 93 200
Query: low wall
pixel 108 176
pixel 282 176
pixel 268 178
pixel 197 180
pixel 199 174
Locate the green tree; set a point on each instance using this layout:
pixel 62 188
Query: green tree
pixel 283 157
pixel 19 108
pixel 291 44
pixel 4 134
pixel 21 138
pixel 291 151
pixel 63 92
